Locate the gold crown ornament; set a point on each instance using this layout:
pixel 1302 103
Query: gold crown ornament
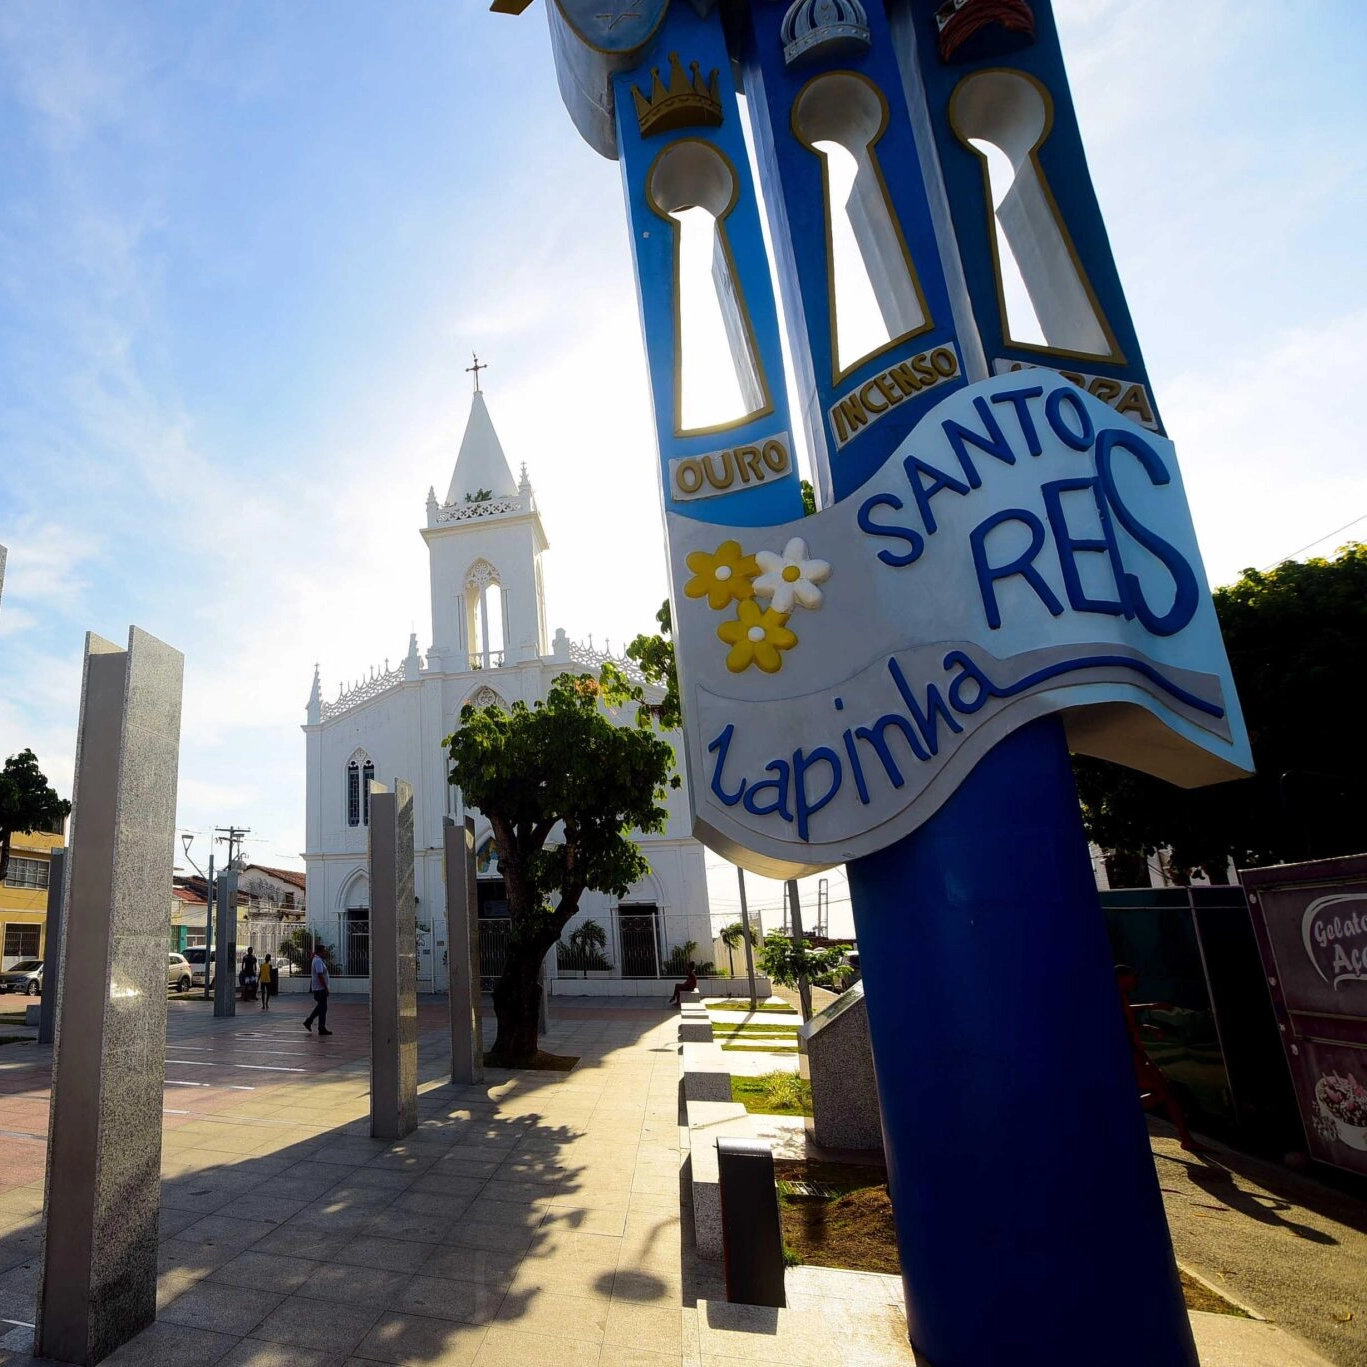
pixel 689 102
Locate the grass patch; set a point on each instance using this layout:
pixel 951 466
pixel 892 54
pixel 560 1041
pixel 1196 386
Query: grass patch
pixel 778 1007
pixel 16 1039
pixel 755 1028
pixel 854 1229
pixel 757 1048
pixel 851 1229
pixel 541 1063
pixel 776 1093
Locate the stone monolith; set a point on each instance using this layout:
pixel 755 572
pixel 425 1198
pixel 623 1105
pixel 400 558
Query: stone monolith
pixel 98 1285
pixel 393 964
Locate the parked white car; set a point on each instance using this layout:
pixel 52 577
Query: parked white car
pixel 179 977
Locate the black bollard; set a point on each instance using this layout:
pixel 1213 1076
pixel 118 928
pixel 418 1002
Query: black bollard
pixel 751 1237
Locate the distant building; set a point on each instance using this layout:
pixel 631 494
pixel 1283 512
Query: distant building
pixel 270 904
pixel 23 895
pixel 490 646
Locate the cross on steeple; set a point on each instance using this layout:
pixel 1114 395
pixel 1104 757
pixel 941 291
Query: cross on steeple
pixel 476 368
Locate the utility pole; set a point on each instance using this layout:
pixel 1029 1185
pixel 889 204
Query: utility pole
pixel 749 948
pixel 232 837
pixel 804 988
pixel 186 840
pixel 209 927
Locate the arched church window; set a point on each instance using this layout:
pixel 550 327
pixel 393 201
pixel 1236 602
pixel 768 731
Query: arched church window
pixel 486 614
pixel 360 772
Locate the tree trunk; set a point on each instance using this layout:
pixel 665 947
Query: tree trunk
pixel 517 993
pixel 517 1006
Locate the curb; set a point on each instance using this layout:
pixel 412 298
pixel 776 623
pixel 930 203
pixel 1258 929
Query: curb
pixel 1222 1293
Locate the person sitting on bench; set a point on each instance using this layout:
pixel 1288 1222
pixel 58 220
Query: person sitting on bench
pixel 689 984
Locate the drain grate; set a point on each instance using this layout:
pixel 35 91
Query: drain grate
pixel 813 1189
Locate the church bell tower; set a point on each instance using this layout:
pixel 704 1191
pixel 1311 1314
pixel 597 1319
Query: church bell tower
pixel 484 545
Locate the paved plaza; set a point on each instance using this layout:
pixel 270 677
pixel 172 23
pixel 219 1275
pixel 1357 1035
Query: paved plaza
pixel 532 1219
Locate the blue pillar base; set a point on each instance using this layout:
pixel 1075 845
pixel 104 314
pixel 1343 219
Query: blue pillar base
pixel 1029 1220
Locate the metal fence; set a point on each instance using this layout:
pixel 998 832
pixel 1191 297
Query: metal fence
pixel 635 944
pixel 494 934
pixel 640 942
pixel 353 948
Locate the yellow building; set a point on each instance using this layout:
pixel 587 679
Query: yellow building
pixel 23 895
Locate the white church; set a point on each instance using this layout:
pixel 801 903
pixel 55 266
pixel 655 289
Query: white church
pixel 489 645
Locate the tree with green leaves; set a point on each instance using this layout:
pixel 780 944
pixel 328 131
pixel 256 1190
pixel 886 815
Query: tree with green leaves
pixel 27 802
pixel 655 656
pixel 563 784
pixel 785 960
pixel 733 937
pixel 1297 642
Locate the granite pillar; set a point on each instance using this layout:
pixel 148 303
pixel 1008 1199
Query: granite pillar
pixel 835 1054
pixel 462 933
pixel 225 945
pixel 52 949
pixel 393 964
pixel 98 1285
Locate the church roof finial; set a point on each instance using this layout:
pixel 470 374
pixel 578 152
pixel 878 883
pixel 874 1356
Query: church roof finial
pixel 481 467
pixel 476 368
pixel 315 702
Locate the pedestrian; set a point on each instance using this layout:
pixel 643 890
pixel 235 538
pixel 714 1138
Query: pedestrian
pixel 265 977
pixel 247 977
pixel 318 984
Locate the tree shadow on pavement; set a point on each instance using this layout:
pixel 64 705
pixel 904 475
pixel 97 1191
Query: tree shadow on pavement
pixel 338 1245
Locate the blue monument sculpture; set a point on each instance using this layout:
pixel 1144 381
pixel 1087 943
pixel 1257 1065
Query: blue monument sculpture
pixel 1003 569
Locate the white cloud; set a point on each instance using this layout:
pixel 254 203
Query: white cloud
pixel 1270 447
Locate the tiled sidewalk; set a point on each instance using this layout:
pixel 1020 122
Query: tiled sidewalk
pixel 533 1219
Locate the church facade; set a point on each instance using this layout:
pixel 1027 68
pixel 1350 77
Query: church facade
pixel 489 645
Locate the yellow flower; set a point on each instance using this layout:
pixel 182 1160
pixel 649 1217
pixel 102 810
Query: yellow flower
pixel 723 576
pixel 756 637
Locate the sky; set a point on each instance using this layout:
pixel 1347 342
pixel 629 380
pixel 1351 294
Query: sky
pixel 246 252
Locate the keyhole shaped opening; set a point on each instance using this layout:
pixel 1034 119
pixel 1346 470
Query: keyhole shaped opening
pixel 1012 113
pixel 875 297
pixel 718 380
pixel 1022 323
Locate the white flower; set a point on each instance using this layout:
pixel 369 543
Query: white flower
pixel 791 577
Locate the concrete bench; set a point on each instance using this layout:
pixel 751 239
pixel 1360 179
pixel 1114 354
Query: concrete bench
pixel 706 1076
pixel 695 1030
pixel 707 1121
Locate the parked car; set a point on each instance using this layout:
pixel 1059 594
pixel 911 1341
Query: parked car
pixel 178 975
pixel 195 957
pixel 26 976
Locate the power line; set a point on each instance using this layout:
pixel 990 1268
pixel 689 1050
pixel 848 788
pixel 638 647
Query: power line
pixel 1362 517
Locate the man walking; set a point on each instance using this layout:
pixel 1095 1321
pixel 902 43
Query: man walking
pixel 318 983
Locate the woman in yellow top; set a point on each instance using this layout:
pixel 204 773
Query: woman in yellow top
pixel 265 979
